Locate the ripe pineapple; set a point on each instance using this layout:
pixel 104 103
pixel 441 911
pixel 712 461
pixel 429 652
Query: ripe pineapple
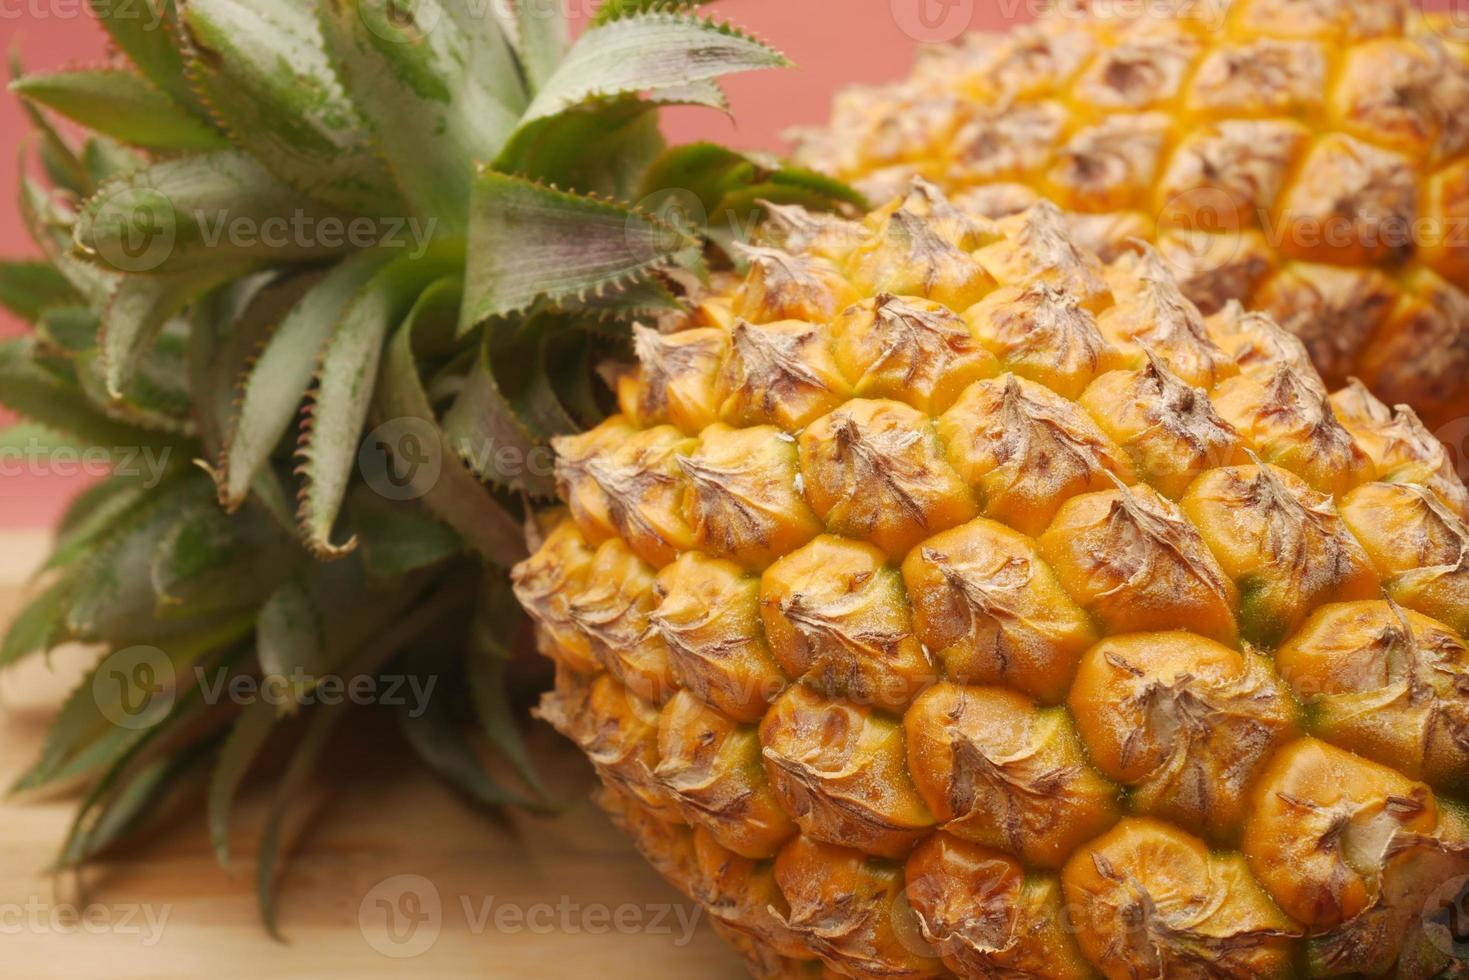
pixel 943 601
pixel 1307 157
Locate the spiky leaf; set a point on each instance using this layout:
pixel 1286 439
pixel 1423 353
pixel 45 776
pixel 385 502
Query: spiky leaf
pixel 247 737
pixel 543 37
pixel 39 626
pixel 436 83
pixel 293 783
pixel 398 539
pixel 126 697
pixel 439 738
pixel 210 561
pixel 123 105
pixel 205 211
pixel 446 488
pixel 122 808
pixel 54 399
pixel 144 30
pixel 528 242
pixel 262 68
pixel 27 289
pixel 496 619
pixel 275 383
pixel 96 511
pixel 345 383
pixel 647 53
pixel 137 313
pixel 613 9
pixel 49 223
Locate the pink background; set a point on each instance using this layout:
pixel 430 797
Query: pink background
pixel 833 42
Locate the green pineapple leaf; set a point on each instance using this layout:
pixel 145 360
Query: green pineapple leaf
pixel 543 38
pixel 648 52
pixel 247 736
pixel 114 598
pixel 261 66
pixel 490 651
pixel 436 82
pixel 210 562
pixel 94 513
pixel 49 223
pixel 528 242
pixel 105 159
pixel 486 424
pixel 28 289
pixel 614 9
pixel 137 313
pixel 435 475
pixel 69 331
pixel 118 810
pixel 157 394
pixel 274 383
pixel 58 159
pixel 292 785
pixel 433 731
pixel 47 392
pixel 39 626
pixel 145 30
pixel 122 105
pixel 128 694
pixel 398 540
pixel 344 390
pixel 125 792
pixel 602 149
pixel 202 212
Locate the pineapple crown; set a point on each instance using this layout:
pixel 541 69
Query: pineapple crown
pixel 290 223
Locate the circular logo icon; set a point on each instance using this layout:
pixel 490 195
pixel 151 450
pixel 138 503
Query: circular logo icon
pixel 1446 918
pixel 401 916
pixel 932 21
pixel 1212 210
pixel 1449 19
pixel 400 21
pixel 1454 435
pixel 134 229
pixel 681 218
pixel 908 928
pixel 402 458
pixel 1199 229
pixel 134 687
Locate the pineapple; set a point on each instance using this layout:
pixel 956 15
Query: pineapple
pixel 943 601
pixel 1309 158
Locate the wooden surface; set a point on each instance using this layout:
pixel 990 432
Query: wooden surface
pixel 526 897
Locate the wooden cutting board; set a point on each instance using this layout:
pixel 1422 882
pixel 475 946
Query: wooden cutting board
pixel 392 875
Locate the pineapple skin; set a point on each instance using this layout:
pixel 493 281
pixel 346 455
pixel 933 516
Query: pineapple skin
pixel 945 602
pixel 1309 158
